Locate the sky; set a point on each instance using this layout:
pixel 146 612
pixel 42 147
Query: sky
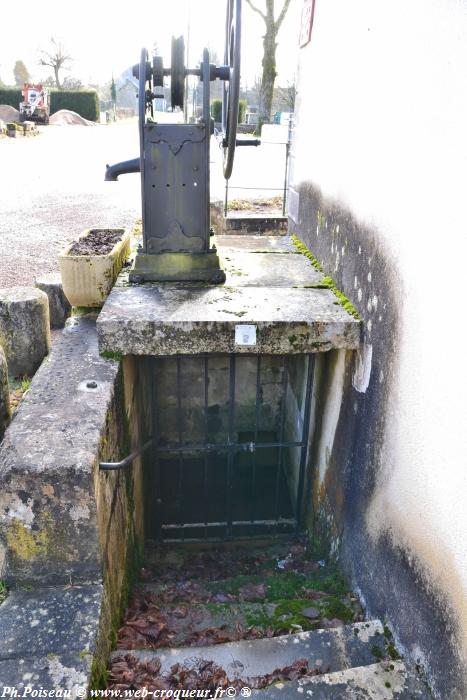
pixel 104 39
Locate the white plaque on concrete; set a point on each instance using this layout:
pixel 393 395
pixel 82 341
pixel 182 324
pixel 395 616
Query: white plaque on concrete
pixel 245 334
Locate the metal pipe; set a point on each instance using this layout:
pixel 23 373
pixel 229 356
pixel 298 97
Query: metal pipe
pixel 226 198
pixel 223 447
pixel 126 166
pixel 286 174
pixel 114 466
pixel 248 142
pixel 305 435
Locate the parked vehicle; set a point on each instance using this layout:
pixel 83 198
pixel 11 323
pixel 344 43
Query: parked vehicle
pixel 36 103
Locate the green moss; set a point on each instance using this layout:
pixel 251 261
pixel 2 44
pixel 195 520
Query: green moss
pixel 387 684
pixel 84 310
pixel 301 247
pixel 99 678
pixel 288 584
pixel 332 607
pixel 234 313
pixel 3 592
pixel 109 355
pixel 327 282
pixel 286 614
pixel 289 612
pixel 390 646
pixel 376 651
pixel 392 651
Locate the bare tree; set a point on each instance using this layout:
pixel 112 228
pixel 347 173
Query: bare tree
pixel 269 55
pixel 71 83
pixel 285 97
pixel 56 57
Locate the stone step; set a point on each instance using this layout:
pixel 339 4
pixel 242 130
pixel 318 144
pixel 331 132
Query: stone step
pixel 201 624
pixel 331 650
pixel 240 559
pixel 268 586
pixel 208 623
pixel 381 681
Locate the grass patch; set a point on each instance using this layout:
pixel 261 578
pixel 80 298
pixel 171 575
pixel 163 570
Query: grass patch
pixel 18 388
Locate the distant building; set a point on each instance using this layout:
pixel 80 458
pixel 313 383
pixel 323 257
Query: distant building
pixel 127 91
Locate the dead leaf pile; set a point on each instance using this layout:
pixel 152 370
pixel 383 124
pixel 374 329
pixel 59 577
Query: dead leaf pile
pixel 128 673
pixel 148 625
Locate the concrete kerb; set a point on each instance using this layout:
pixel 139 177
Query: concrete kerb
pixel 24 328
pixel 65 525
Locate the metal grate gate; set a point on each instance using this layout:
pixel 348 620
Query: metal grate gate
pixel 230 445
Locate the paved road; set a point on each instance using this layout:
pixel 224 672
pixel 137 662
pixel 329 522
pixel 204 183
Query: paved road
pixel 52 187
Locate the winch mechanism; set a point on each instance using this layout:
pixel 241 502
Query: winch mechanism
pixel 174 162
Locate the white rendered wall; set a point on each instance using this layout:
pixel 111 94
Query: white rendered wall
pixel 382 128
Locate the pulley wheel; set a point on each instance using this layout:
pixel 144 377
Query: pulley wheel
pixel 142 78
pixel 177 72
pixel 231 91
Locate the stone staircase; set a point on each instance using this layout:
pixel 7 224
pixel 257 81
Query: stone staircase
pixel 266 620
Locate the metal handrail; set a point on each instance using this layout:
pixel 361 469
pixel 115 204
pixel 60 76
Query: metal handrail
pixel 114 466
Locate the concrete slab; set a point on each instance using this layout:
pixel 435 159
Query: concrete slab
pixel 52 673
pixel 332 650
pixel 254 244
pixel 59 620
pixel 383 681
pixel 166 320
pixel 267 270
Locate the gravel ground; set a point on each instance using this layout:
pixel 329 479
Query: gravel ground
pixel 52 187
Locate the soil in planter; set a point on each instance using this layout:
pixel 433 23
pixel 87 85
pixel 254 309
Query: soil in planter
pixel 99 241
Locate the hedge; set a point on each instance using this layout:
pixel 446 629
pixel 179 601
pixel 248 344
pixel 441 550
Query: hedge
pixel 216 110
pixel 84 102
pixel 242 105
pixel 10 96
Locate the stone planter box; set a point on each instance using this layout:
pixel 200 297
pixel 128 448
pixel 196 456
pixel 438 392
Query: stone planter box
pixel 88 279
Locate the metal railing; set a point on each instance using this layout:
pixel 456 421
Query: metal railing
pixel 283 187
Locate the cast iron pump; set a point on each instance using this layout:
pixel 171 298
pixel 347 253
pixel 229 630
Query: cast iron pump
pixel 174 162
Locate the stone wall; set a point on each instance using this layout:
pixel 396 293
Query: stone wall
pixel 62 520
pixel 192 397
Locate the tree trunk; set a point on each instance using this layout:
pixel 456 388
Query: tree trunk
pixel 269 73
pixel 57 81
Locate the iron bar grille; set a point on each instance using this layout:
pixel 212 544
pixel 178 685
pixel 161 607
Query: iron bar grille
pixel 230 445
